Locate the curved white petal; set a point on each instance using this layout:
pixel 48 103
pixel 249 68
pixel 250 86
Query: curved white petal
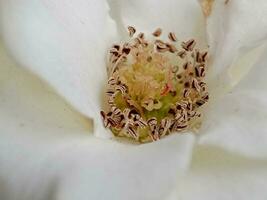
pixel 237 122
pixel 234 28
pixel 184 17
pixel 63 42
pixel 221 176
pixel 46 152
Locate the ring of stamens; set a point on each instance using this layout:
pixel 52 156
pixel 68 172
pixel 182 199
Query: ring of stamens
pixel 154 88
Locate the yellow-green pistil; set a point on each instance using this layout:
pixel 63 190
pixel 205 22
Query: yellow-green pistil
pixel 154 89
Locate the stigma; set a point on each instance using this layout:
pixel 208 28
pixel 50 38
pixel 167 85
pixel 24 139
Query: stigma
pixel 155 88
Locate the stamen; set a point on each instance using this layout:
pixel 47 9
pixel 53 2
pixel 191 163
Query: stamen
pixel 200 70
pixel 131 30
pixel 157 32
pixel 189 45
pixel 172 37
pixel 155 88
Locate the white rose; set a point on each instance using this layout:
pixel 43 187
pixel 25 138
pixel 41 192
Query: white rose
pixel 46 149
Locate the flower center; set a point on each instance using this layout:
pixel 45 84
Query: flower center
pixel 155 88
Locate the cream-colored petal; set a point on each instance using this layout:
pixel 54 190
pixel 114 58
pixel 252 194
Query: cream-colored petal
pixel 234 28
pixel 46 152
pixel 184 17
pixel 63 42
pixel 221 176
pixel 237 122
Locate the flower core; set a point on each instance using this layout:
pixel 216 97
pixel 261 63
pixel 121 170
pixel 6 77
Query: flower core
pixel 155 88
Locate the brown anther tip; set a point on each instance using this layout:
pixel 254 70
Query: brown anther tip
pixel 201 57
pixel 102 113
pixel 152 121
pixel 206 97
pixel 116 46
pixel 179 76
pixel 160 43
pixel 200 70
pixel 200 103
pixel 204 56
pixel 198 57
pixel 109 114
pixel 181 54
pixel 138 41
pixel 172 111
pixel 162 50
pixel 173 93
pixel 141 36
pixel 172 37
pixel 126 50
pixel 187 84
pixel 185 66
pixel 189 45
pixel 114 52
pixel 144 44
pixel 131 31
pixel 161 46
pixel 191 74
pixel 157 32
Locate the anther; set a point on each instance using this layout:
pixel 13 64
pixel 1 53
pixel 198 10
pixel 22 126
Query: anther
pixel 157 32
pixel 131 30
pixel 172 37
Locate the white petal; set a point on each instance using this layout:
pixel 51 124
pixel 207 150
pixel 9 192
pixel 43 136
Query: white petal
pixel 184 17
pixel 46 152
pixel 237 122
pixel 234 28
pixel 63 42
pixel 221 176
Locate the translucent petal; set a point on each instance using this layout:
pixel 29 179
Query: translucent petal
pixel 64 43
pixel 218 175
pixel 184 17
pixel 237 122
pixel 234 28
